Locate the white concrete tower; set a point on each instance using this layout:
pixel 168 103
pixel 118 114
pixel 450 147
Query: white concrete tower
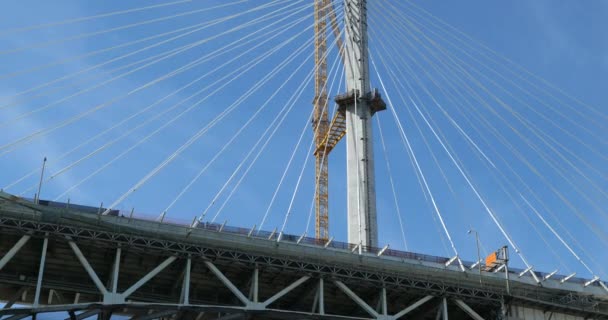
pixel 359 104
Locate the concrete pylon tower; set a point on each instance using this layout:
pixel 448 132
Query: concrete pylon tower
pixel 359 104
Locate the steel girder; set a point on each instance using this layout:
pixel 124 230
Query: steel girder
pixel 183 250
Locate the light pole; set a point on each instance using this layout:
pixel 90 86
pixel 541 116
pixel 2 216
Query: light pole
pixel 478 254
pixel 37 196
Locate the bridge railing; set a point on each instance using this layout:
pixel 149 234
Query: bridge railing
pixel 274 236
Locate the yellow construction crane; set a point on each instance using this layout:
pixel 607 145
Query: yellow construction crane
pixel 327 134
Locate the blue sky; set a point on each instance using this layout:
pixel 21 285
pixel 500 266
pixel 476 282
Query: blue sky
pixel 562 42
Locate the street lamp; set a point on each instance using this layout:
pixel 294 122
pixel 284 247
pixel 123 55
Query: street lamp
pixel 478 254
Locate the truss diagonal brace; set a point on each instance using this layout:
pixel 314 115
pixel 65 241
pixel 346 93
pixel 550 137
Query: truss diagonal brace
pixel 285 291
pixel 227 283
pixel 11 253
pixel 15 298
pixel 88 267
pixel 149 276
pixel 468 309
pixel 356 299
pixel 413 307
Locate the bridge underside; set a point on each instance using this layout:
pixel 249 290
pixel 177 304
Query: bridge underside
pixel 66 286
pixel 55 260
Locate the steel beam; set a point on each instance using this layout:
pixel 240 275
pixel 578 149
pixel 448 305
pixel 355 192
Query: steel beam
pixel 88 268
pixel 285 291
pixel 227 283
pixel 18 317
pixel 232 316
pixel 375 275
pixel 72 315
pixel 115 271
pixel 413 306
pixel 86 314
pixel 353 296
pixel 148 276
pixel 255 285
pixel 15 297
pixel 155 315
pixel 321 297
pixel 444 308
pixel 45 245
pixel 468 309
pixel 11 253
pixel 383 301
pixel 186 285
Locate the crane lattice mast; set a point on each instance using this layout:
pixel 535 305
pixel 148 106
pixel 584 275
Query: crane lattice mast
pixel 320 120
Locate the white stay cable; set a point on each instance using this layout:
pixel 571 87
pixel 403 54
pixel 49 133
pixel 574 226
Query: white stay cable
pixel 243 127
pixel 100 106
pixel 546 157
pixel 105 131
pixel 99 51
pixel 222 84
pixel 479 197
pixel 413 75
pixel 203 131
pixel 426 185
pixel 597 112
pixel 240 42
pixel 312 201
pixel 96 33
pixel 558 124
pixel 311 146
pixel 276 127
pixel 197 28
pixel 396 78
pixel 288 166
pixel 392 183
pixel 163 57
pixel 79 146
pixel 297 94
pixel 557 235
pixel 543 155
pixel 88 18
pixel 238 72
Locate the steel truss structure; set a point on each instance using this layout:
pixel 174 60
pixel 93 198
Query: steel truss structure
pixel 86 264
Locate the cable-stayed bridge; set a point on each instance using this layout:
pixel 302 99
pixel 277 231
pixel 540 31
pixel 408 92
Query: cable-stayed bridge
pixel 189 105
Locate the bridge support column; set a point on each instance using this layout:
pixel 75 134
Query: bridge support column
pixel 115 270
pixel 383 302
pixel 255 284
pixel 45 245
pixel 444 309
pixel 360 105
pixel 321 297
pixel 185 295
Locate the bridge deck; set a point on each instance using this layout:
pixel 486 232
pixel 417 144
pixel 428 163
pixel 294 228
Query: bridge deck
pixel 236 255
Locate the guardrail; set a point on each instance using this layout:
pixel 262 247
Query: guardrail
pixel 302 239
